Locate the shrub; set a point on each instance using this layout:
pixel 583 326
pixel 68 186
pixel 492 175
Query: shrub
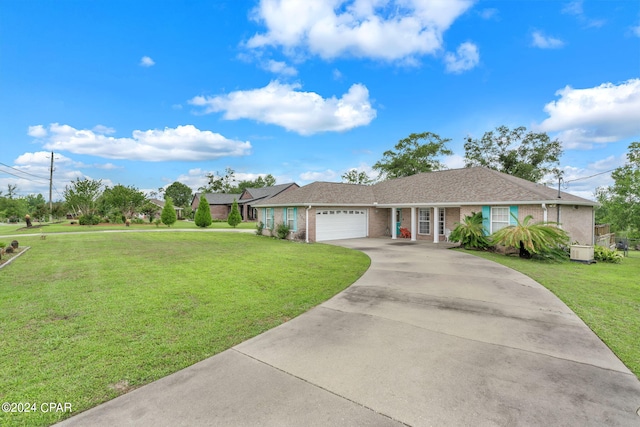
pixel 89 219
pixel 540 238
pixel 2 245
pixel 282 231
pixel 203 213
pixel 603 254
pixel 157 222
pixel 259 228
pixel 168 215
pixel 234 216
pixel 137 221
pixel 470 233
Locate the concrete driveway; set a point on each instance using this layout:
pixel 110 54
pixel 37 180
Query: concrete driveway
pixel 427 337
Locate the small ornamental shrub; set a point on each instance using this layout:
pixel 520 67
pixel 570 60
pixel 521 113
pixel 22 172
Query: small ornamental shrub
pixel 168 215
pixel 234 216
pixel 157 222
pixel 282 231
pixel 89 219
pixel 541 238
pixel 203 213
pixel 259 228
pixel 137 221
pixel 470 233
pixel 603 254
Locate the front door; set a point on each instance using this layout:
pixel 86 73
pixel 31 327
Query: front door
pixel 398 220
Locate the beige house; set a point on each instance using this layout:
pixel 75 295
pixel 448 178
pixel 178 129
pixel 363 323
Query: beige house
pixel 425 206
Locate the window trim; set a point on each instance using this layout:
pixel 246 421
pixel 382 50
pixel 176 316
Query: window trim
pixel 492 221
pixel 293 219
pixel 427 221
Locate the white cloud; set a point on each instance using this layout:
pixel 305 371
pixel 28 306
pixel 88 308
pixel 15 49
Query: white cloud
pixel 378 29
pixel 539 39
pixel 489 13
pixel 146 61
pixel 37 131
pixel 465 58
pixel 576 9
pixel 185 143
pixel 279 67
pixel 602 114
pixel 327 175
pixel 454 161
pixel 636 30
pixel 303 112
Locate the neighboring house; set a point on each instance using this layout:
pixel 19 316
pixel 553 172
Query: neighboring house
pixel 160 204
pixel 428 204
pixel 220 203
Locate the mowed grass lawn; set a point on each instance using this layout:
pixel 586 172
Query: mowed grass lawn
pixel 85 318
pixel 605 296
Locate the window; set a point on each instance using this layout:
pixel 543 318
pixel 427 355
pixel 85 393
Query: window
pixel 424 221
pixel 442 221
pixel 269 218
pixel 290 218
pixel 499 218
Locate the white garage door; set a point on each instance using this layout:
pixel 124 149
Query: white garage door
pixel 340 223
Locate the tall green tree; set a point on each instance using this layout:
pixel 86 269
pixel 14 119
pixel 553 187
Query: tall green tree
pixel 127 200
pixel 220 183
pixel 168 215
pixel 260 182
pixel 180 194
pixel 516 152
pixel 352 176
pixel 411 156
pixel 81 195
pixel 620 202
pixel 234 216
pixel 203 213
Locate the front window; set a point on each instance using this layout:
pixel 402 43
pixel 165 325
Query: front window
pixel 269 219
pixel 424 221
pixel 499 218
pixel 291 219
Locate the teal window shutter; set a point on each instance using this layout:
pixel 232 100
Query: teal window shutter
pixel 486 220
pixel 513 212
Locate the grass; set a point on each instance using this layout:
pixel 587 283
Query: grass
pixel 605 296
pixel 66 226
pixel 87 317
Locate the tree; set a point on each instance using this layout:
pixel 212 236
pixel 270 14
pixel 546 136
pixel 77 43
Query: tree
pixel 217 183
pixel 355 177
pixel 150 210
pixel 516 152
pixel 179 193
pixel 260 182
pixel 203 214
pixel 126 200
pixel 168 216
pixel 412 157
pixel 234 216
pixel 470 232
pixel 620 202
pixel 82 195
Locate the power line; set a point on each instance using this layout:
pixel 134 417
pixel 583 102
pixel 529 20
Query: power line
pixel 21 171
pixel 21 177
pixel 587 177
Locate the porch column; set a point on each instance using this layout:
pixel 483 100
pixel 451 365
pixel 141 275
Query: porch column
pixel 436 225
pixel 394 219
pixel 413 224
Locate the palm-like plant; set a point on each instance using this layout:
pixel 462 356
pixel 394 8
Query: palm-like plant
pixel 470 233
pixel 538 238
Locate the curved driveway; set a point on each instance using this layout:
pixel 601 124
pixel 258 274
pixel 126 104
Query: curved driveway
pixel 425 337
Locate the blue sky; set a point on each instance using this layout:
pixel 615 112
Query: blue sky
pixel 146 93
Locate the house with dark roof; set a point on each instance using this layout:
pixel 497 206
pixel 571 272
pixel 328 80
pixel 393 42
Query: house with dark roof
pixel 160 203
pixel 427 205
pixel 220 203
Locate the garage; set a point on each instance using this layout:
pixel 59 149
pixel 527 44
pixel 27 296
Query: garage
pixel 340 223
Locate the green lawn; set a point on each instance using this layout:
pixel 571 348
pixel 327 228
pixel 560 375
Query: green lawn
pixel 605 296
pixel 87 317
pixel 66 226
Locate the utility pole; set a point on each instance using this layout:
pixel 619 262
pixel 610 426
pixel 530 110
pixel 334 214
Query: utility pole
pixel 51 190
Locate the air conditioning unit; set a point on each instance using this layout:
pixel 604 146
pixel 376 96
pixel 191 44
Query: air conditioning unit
pixel 582 253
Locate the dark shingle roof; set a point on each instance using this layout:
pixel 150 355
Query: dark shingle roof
pixel 267 192
pixel 476 185
pixel 219 198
